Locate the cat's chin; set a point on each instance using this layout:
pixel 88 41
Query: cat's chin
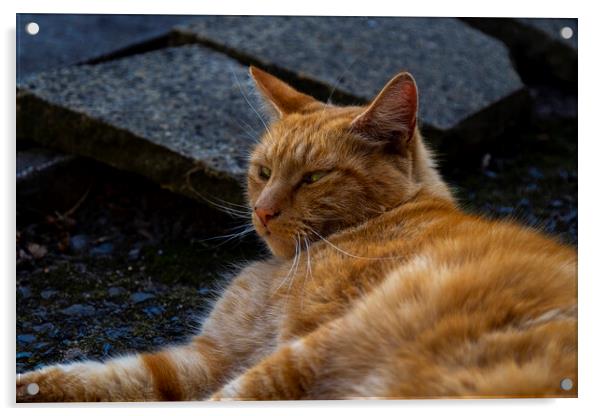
pixel 280 247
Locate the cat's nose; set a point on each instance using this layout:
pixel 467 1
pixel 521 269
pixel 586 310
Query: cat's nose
pixel 266 214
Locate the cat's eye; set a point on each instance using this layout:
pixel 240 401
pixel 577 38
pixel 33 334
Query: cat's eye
pixel 265 172
pixel 314 176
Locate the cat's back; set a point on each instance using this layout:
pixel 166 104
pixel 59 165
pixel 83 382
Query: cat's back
pixel 432 291
pixel 431 246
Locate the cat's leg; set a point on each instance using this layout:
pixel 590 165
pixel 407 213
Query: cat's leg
pixel 177 373
pixel 394 344
pixel 290 373
pixel 238 333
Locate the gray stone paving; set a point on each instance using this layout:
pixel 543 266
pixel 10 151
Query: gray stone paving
pixel 159 114
pixel 66 39
pixel 459 70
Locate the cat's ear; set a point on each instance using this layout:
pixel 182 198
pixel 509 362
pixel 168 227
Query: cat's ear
pixel 281 97
pixel 391 117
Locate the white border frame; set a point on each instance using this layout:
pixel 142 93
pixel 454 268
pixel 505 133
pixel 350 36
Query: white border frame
pixel 590 150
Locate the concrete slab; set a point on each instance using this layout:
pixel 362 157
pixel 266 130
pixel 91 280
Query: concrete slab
pixel 161 114
pixel 459 70
pixel 66 39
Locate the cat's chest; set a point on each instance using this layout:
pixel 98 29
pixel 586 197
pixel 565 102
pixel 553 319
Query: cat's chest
pixel 324 287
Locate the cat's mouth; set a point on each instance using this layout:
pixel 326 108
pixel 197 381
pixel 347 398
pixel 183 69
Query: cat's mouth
pixel 280 243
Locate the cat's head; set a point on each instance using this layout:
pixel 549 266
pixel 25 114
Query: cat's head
pixel 321 168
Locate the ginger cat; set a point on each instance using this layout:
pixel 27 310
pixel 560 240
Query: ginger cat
pixel 379 287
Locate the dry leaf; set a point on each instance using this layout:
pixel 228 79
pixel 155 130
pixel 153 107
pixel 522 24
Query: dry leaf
pixel 36 250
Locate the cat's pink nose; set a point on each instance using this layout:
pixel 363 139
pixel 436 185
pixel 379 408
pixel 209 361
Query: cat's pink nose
pixel 266 214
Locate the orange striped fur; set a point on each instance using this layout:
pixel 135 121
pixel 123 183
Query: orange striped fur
pixel 379 286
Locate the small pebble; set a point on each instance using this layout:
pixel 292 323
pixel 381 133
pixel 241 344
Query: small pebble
pixel 111 305
pixel 79 310
pixel 41 345
pixel 116 291
pixel 556 203
pixel 134 254
pixel 79 242
pixel 535 173
pixel 104 249
pixel 44 328
pixel 26 338
pixel 524 202
pixel 154 310
pixel 23 354
pixel 116 333
pixel 24 292
pixel 106 348
pixel 570 216
pixel 73 353
pixel 141 297
pixel 159 341
pixel 485 161
pixel 47 294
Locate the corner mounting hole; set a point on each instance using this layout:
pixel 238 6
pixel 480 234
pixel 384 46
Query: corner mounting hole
pixel 566 384
pixel 566 32
pixel 33 389
pixel 32 28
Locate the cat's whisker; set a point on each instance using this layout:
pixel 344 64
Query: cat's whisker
pixel 239 207
pixel 230 211
pixel 232 205
pixel 339 79
pixel 340 250
pixel 249 130
pixel 298 258
pixel 234 212
pixel 245 224
pixel 230 236
pixel 307 271
pixel 289 272
pixel 307 244
pixel 249 102
pixel 252 135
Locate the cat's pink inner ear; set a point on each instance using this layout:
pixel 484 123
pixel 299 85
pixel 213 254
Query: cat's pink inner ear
pixel 392 114
pixel 283 98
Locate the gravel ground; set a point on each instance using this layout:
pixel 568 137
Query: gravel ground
pixel 133 268
pixel 533 181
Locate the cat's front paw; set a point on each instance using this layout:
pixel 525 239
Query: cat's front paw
pixel 49 384
pixel 231 391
